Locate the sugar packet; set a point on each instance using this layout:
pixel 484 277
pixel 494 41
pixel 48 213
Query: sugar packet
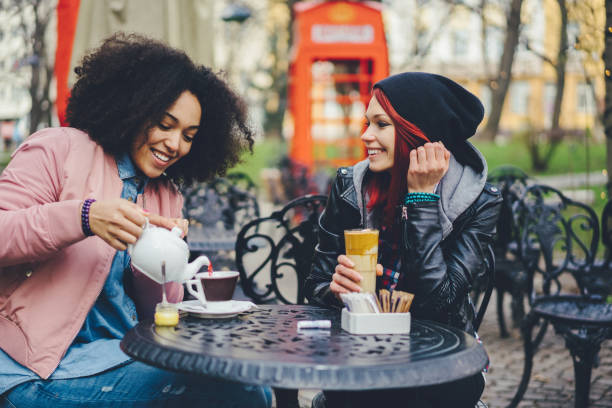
pixel 360 302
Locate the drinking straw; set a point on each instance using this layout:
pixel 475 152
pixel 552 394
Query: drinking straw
pixel 210 269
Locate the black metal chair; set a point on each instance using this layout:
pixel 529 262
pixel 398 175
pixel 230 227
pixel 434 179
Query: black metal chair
pixel 226 202
pixel 598 280
pixel 274 253
pixel 216 211
pixel 558 241
pixel 510 275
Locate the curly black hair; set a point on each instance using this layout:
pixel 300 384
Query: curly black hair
pixel 126 85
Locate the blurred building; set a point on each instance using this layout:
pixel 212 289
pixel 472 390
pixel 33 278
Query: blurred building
pixel 438 37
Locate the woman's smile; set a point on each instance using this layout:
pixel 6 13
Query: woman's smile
pixel 373 153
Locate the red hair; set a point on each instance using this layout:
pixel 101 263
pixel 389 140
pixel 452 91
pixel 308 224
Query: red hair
pixel 386 190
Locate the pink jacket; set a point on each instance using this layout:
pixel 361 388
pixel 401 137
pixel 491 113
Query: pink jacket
pixel 50 273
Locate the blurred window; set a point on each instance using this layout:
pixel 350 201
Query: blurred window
pixel 550 91
pixel 585 102
pixel 494 43
pixel 460 43
pixel 519 97
pixel 485 97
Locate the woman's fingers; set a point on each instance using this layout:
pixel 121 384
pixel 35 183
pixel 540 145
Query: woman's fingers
pixel 421 155
pixel 116 221
pixel 345 282
pixel 161 221
pixel 379 270
pixel 182 224
pixel 346 261
pixel 125 237
pixel 345 279
pixel 439 151
pixel 428 164
pixel 118 245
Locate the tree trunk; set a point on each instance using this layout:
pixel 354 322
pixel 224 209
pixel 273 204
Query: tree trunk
pixel 556 133
pixel 555 130
pixel 42 69
pixel 499 86
pixel 607 116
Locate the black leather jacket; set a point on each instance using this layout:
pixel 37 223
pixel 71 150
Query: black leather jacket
pixel 440 272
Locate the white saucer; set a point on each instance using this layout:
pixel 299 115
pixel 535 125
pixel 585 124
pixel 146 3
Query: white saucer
pixel 216 310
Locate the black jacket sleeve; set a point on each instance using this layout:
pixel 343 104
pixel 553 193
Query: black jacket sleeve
pixel 339 214
pixel 442 272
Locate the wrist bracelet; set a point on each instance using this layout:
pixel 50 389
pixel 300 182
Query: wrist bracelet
pixel 420 197
pixel 85 217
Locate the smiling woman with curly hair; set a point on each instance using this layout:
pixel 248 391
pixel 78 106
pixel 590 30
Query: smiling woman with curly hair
pixel 127 85
pixel 143 118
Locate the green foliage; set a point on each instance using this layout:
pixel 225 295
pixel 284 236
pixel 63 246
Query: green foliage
pixel 4 159
pixel 569 157
pixel 266 153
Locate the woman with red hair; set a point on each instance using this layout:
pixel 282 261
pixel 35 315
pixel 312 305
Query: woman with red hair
pixel 423 186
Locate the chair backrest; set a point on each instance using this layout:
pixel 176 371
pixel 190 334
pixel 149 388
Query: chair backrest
pixel 484 286
pixel 606 231
pixel 274 253
pixel 512 182
pixel 558 239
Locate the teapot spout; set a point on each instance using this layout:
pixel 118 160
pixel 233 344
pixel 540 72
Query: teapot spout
pixel 193 268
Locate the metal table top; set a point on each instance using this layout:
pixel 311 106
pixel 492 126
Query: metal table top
pixel 264 347
pixel 574 309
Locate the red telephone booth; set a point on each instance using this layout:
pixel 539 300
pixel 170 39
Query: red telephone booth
pixel 339 52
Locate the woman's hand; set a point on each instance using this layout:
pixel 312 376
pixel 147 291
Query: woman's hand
pixel 345 279
pixel 119 222
pixel 428 164
pixel 169 223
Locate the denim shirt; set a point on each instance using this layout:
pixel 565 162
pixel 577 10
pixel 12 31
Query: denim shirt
pixel 96 346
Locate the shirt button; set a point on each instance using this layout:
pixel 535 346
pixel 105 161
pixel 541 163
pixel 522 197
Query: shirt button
pixel 343 171
pixel 134 317
pixel 28 274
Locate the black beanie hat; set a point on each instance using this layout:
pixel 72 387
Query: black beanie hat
pixel 440 107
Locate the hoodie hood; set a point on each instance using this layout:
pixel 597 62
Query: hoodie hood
pixel 458 189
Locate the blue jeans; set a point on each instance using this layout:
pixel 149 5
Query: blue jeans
pixel 136 385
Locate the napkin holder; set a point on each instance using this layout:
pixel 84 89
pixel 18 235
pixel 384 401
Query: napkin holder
pixel 375 323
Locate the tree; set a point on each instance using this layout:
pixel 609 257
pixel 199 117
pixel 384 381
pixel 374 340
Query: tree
pixel 423 31
pixel 541 152
pixel 34 17
pixel 500 82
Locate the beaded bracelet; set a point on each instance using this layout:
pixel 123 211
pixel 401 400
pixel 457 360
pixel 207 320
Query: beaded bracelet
pixel 85 217
pixel 420 198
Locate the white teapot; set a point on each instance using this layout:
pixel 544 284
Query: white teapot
pixel 157 245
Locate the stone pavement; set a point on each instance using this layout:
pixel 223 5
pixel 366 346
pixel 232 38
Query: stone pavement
pixel 552 379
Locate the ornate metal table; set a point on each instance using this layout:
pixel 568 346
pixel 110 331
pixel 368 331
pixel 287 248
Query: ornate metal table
pixel 264 346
